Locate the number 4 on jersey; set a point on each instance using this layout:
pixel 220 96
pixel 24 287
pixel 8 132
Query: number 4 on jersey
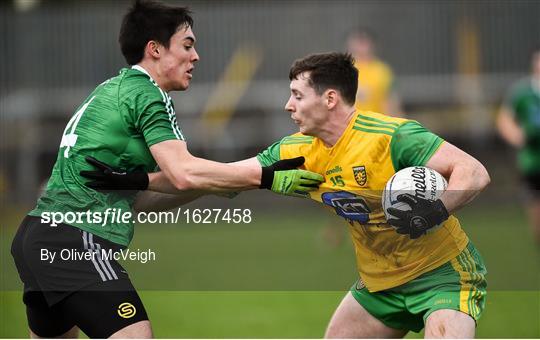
pixel 69 139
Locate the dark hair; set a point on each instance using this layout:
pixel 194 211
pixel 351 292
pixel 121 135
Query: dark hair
pixel 329 70
pixel 150 20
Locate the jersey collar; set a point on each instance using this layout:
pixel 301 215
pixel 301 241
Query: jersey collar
pixel 141 69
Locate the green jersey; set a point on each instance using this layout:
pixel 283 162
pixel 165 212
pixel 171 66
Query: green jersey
pixel 524 102
pixel 116 124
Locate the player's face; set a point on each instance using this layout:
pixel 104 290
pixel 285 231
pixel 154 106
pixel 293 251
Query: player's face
pixel 360 47
pixel 178 61
pixel 307 108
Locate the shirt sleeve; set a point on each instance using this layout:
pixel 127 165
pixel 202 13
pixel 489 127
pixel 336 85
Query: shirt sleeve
pixel 270 155
pixel 413 145
pixel 155 117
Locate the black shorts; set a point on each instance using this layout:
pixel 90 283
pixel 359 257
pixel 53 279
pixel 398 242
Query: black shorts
pixel 80 286
pixel 533 184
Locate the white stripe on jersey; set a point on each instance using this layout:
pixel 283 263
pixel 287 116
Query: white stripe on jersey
pixel 168 103
pixel 172 117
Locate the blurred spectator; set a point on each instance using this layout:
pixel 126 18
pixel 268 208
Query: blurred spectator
pixel 375 78
pixel 518 123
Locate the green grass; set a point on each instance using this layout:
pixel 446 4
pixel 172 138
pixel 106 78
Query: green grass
pixel 278 277
pixel 509 314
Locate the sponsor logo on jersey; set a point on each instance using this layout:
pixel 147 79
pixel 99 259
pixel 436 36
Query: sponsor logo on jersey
pixel 360 174
pixel 334 170
pixel 126 310
pixel 347 205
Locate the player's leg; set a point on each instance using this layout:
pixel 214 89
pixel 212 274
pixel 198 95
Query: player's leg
pixel 449 324
pixel 73 333
pixel 139 330
pixel 93 292
pixel 351 320
pixel 108 309
pixel 533 205
pixel 534 217
pixel 452 297
pixel 45 321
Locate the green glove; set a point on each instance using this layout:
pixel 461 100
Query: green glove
pixel 296 183
pixel 283 178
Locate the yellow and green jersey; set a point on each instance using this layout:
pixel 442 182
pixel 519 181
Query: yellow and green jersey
pixel 116 124
pixel 372 149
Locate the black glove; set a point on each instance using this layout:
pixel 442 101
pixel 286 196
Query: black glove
pixel 424 215
pixel 105 178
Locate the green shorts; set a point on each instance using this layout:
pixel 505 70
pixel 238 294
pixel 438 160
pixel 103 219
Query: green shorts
pixel 459 284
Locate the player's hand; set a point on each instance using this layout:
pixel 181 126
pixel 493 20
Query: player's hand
pixel 105 178
pixel 284 178
pixel 423 215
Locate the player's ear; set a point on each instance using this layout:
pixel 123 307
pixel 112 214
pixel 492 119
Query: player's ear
pixel 331 98
pixel 153 49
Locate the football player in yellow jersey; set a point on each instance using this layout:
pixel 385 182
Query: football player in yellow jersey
pixel 375 78
pixel 409 279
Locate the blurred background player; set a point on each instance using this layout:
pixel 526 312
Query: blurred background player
pixel 376 90
pixel 518 123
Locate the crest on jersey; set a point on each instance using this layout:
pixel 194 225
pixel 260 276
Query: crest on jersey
pixel 360 174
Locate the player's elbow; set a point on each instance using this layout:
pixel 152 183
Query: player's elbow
pixel 481 176
pixel 184 181
pixel 183 175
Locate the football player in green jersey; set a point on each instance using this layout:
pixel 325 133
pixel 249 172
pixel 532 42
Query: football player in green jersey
pixel 519 124
pixel 129 122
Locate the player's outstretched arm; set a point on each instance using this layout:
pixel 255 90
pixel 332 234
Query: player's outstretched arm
pixel 467 177
pixel 186 172
pixel 183 172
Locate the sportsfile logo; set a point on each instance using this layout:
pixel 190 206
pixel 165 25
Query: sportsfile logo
pixel 126 310
pixel 117 216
